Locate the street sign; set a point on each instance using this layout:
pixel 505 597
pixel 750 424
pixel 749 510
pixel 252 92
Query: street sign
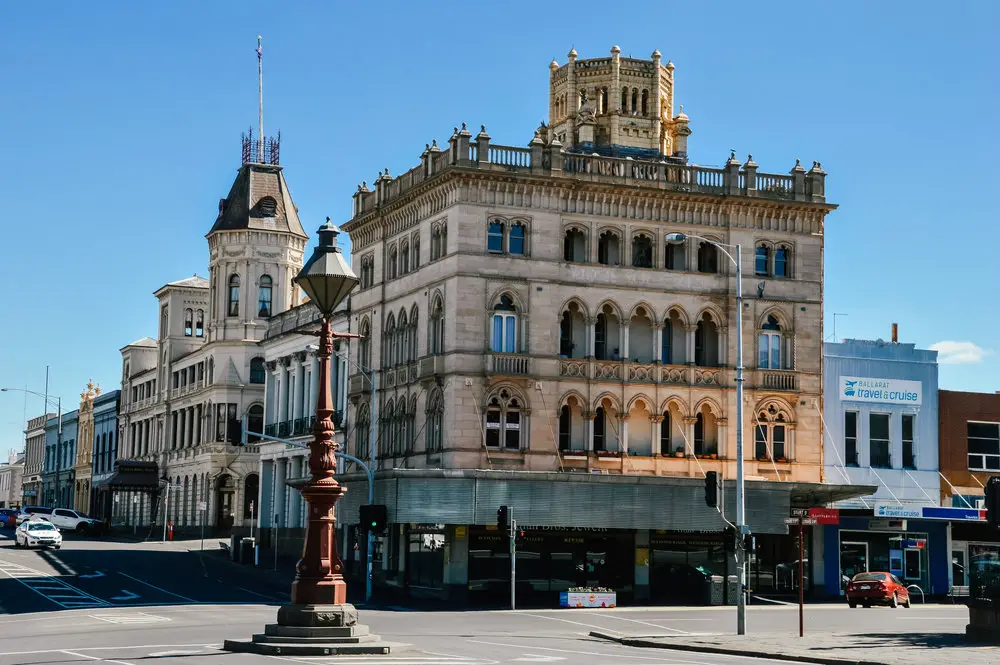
pixel 799 512
pixel 806 521
pixel 825 515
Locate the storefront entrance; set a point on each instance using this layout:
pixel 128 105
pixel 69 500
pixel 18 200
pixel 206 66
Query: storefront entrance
pixel 905 555
pixel 549 562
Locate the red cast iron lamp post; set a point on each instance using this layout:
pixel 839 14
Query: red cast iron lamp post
pixel 327 279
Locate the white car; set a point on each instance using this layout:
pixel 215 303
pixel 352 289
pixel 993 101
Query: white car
pixel 37 533
pixel 70 520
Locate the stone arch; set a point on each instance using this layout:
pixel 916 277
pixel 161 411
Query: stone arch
pixel 716 314
pixel 780 407
pixel 650 310
pixel 612 402
pixel 571 394
pixel 783 319
pixel 712 405
pixel 677 403
pixel 643 399
pixel 514 295
pixel 578 302
pixel 615 309
pixel 512 390
pixel 682 314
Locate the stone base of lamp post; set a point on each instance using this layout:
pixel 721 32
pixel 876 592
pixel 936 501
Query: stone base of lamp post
pixel 314 630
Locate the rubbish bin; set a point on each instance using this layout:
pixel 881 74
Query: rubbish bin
pixel 718 590
pixel 247 546
pixel 234 548
pixel 733 590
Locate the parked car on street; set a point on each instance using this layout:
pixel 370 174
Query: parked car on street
pixel 8 518
pixel 869 589
pixel 28 511
pixel 70 520
pixel 37 533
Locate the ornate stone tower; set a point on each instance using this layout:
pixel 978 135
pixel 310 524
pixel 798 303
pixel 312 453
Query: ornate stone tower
pixel 255 248
pixel 617 106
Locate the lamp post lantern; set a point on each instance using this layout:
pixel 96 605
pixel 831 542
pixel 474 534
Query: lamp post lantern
pixel 741 525
pixel 319 592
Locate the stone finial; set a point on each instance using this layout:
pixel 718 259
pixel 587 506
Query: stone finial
pixel 732 159
pixel 434 143
pixel 572 54
pixel 681 116
pixel 454 131
pixel 750 162
pixel 670 65
pixel 656 54
pixel 364 185
pixel 817 169
pixel 798 167
pixel 615 50
pixel 553 65
pixel 463 127
pixel 482 133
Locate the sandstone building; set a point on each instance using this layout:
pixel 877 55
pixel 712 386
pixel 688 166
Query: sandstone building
pixel 540 343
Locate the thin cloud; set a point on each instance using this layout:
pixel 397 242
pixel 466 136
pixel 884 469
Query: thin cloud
pixel 960 353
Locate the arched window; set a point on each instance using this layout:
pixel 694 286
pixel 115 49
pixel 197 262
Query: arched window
pixel 503 421
pixel 414 313
pixel 635 100
pixel 234 295
pixel 782 262
pixel 361 432
pixel 255 422
pixel 504 334
pixel 251 506
pixel 403 340
pixel 264 297
pixel 188 322
pixel 257 373
pixel 667 342
pixel 435 421
pixel 674 256
pixel 404 258
pixel 199 328
pixel 642 251
pixel 515 244
pixel 604 101
pixel 760 262
pixel 600 428
pixel 708 258
pixel 645 101
pixel 415 253
pixel 164 322
pixel 392 262
pixel 665 434
pixel 388 342
pixel 437 328
pixel 565 427
pixel 769 345
pixel 494 238
pixel 770 430
pixel 699 434
pixel 608 249
pixel 365 346
pixel 625 100
pixel 575 246
pixel 706 342
pixel 267 207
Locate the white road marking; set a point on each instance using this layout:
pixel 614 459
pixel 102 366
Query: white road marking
pixel 83 655
pixel 537 658
pixel 577 623
pixel 175 652
pixel 645 623
pixel 110 648
pixel 135 618
pixel 51 588
pixel 92 576
pixel 588 653
pixel 153 586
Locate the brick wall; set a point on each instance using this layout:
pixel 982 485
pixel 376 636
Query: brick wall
pixel 956 409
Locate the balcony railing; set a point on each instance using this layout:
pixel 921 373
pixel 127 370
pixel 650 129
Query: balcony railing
pixel 508 364
pixel 777 380
pixel 299 426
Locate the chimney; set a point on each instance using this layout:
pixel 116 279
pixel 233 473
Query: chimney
pixel 895 333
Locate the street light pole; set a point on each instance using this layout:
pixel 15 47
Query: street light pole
pixel 741 525
pixel 372 438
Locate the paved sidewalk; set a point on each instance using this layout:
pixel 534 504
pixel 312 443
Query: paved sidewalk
pixel 830 648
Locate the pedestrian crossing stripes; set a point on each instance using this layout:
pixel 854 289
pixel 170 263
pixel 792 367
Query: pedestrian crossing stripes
pixel 135 618
pixel 50 587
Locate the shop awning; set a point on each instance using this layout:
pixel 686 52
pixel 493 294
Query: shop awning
pixel 817 495
pixel 133 476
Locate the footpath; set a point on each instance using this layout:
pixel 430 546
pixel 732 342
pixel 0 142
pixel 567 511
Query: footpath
pixel 828 648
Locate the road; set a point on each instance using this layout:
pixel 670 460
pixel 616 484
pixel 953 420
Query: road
pixel 127 603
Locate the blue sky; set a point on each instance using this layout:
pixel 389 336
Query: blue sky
pixel 121 125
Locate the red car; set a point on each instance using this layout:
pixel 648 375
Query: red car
pixel 8 518
pixel 877 589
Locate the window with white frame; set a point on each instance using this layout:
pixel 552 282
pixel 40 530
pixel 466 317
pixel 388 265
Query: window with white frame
pixel 769 345
pixel 504 419
pixel 503 337
pixel 984 446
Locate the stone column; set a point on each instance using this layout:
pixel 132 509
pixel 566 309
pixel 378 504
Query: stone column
pixel 281 489
pixel 624 433
pixel 723 444
pixel 266 508
pixel 588 430
pixel 657 342
pixel 689 433
pixel 654 424
pixel 591 336
pixel 790 442
pixel 282 392
pixel 723 345
pixel 199 426
pixel 689 343
pixel 625 330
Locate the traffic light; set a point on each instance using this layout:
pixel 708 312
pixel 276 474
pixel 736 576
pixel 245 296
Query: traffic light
pixel 713 489
pixel 503 521
pixel 749 543
pixel 374 517
pixel 993 501
pixel 729 539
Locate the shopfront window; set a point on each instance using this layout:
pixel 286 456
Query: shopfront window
pixel 425 560
pixel 903 554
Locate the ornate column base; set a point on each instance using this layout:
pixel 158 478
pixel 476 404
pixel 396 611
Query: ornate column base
pixel 315 630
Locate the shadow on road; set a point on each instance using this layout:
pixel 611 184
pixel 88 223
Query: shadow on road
pixel 903 639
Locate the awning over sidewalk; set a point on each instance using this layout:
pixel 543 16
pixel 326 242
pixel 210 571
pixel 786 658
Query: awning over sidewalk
pixel 132 476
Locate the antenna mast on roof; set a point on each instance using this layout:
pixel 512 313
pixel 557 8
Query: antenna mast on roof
pixel 260 91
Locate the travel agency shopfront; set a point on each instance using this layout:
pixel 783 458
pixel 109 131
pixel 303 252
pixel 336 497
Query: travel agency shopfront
pixel 652 540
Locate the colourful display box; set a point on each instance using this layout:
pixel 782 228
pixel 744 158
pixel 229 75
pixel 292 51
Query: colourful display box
pixel 586 599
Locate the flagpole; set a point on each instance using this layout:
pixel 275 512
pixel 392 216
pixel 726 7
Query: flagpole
pixel 260 90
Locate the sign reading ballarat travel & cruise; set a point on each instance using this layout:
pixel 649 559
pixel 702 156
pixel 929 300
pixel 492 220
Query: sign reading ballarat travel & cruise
pixel 891 391
pixel 929 512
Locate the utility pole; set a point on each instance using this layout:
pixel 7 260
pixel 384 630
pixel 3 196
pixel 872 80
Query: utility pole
pixel 372 438
pixel 741 526
pixel 513 558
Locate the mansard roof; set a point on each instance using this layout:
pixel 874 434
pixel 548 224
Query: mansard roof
pixel 259 200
